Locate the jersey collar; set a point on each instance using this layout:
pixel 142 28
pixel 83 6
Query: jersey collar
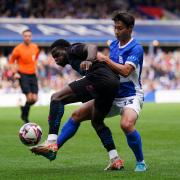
pixel 121 47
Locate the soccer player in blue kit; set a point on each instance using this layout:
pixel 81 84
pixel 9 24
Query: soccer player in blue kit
pixel 126 59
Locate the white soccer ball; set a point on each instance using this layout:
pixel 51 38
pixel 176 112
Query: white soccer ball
pixel 30 134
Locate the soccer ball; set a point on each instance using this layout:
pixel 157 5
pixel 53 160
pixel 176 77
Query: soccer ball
pixel 30 134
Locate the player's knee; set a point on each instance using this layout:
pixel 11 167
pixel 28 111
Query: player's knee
pixel 31 101
pixel 34 99
pixel 29 97
pixel 76 115
pixel 127 126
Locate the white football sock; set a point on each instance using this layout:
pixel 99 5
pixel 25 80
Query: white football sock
pixel 52 137
pixel 113 153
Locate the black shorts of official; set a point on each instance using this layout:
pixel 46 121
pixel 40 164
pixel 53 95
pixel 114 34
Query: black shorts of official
pixel 28 83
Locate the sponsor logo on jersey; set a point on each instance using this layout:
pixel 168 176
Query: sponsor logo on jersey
pixel 120 60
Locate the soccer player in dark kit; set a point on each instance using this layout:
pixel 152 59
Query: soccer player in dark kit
pixel 99 83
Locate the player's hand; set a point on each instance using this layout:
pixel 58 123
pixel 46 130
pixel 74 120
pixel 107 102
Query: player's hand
pixel 101 56
pixel 85 65
pixel 16 76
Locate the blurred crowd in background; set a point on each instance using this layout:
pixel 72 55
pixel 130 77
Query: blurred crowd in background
pixel 141 9
pixel 161 68
pixel 161 71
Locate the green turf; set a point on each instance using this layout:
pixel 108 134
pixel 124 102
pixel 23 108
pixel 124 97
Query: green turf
pixel 83 157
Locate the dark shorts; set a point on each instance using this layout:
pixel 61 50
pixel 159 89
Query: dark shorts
pixel 100 84
pixel 84 89
pixel 28 83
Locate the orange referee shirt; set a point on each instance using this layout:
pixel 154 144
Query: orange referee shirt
pixel 25 57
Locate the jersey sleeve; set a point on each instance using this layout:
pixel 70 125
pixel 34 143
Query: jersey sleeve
pixel 135 56
pixel 13 56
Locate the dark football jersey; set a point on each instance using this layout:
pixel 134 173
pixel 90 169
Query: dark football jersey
pixel 76 54
pixel 99 71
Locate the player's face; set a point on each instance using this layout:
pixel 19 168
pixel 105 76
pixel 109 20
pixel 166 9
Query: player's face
pixel 27 37
pixel 122 32
pixel 60 56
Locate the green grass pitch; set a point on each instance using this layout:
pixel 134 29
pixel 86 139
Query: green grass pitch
pixel 83 157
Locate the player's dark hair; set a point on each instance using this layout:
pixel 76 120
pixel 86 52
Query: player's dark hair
pixel 125 17
pixel 26 30
pixel 60 43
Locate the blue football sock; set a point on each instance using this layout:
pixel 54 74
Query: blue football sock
pixel 68 131
pixel 134 142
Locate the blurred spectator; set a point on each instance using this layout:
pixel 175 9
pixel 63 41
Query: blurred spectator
pixel 161 71
pixel 86 8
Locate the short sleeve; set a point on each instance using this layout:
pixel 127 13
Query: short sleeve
pixel 135 56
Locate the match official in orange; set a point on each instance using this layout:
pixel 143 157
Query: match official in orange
pixel 23 62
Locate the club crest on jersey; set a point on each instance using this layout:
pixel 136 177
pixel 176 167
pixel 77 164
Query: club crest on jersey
pixel 120 60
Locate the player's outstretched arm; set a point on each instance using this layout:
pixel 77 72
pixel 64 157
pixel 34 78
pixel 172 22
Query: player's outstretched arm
pixel 122 69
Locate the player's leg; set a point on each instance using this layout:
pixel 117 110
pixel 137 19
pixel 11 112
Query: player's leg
pixel 56 112
pixel 26 107
pixel 107 86
pixel 34 98
pixel 29 87
pixel 26 89
pixel 100 110
pixel 34 89
pixel 75 92
pixel 49 148
pixel 128 121
pixel 58 101
pixel 30 100
pixel 72 124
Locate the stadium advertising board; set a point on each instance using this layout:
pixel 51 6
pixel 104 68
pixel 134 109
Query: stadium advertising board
pixel 96 31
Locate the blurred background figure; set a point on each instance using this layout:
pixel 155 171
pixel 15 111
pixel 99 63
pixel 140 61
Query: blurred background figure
pixel 23 63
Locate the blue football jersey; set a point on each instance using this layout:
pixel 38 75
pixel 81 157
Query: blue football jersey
pixel 131 53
